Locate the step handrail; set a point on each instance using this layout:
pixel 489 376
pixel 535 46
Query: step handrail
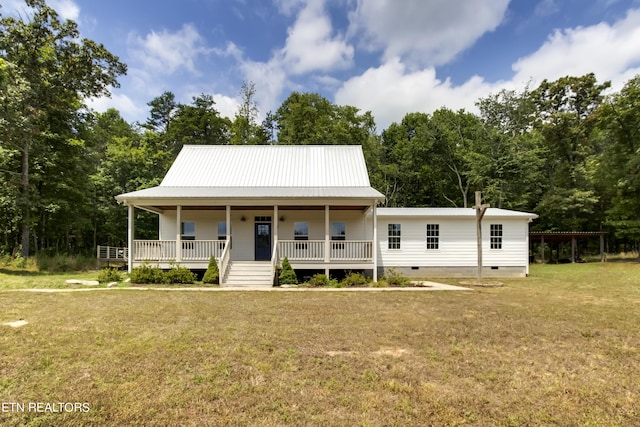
pixel 224 261
pixel 274 258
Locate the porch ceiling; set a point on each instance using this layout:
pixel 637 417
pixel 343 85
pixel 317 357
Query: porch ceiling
pixel 263 207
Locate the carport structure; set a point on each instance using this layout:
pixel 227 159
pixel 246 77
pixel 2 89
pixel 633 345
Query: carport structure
pixel 566 236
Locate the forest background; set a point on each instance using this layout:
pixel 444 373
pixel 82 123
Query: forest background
pixel 568 150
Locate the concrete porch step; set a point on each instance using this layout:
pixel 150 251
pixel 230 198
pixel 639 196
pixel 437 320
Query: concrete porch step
pixel 249 273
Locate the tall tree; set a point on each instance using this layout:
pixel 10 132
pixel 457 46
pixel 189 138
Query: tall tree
pixel 565 118
pixel 514 153
pixel 618 173
pixel 162 111
pixel 198 123
pixel 60 70
pixel 245 129
pixel 311 119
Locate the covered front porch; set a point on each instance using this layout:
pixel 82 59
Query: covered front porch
pixel 312 237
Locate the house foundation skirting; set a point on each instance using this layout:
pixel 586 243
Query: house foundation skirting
pixel 462 272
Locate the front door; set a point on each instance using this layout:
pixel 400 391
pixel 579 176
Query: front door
pixel 263 242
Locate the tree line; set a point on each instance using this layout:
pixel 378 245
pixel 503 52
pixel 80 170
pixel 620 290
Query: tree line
pixel 568 150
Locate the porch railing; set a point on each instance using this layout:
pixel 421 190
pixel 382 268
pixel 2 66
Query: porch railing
pixel 165 250
pixel 313 250
pixel 201 250
pixel 301 250
pixel 352 250
pixel 112 253
pixel 154 250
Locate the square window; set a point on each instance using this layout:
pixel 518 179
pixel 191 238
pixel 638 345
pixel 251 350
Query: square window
pixel 188 230
pixel 338 231
pixel 300 231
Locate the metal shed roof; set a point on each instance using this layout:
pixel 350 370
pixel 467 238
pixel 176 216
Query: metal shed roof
pixel 452 212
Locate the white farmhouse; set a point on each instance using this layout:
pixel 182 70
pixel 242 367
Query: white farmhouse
pixel 251 206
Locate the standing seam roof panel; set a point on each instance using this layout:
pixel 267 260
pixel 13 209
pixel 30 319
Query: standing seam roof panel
pixel 268 166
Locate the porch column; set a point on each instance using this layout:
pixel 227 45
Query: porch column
pixel 327 237
pixel 601 247
pixel 374 251
pixel 227 225
pixel 178 233
pixel 276 219
pixel 529 248
pixel 130 235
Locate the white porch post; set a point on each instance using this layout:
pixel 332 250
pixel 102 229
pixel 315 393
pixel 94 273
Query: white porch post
pixel 228 223
pixel 275 225
pixel 178 233
pixel 327 244
pixel 374 251
pixel 130 235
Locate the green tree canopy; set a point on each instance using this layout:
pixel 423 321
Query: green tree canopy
pixel 50 71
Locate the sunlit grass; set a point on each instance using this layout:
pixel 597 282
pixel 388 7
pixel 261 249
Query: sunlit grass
pixel 558 348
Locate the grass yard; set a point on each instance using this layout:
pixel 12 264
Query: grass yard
pixel 558 348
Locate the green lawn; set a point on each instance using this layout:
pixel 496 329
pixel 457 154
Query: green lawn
pixel 558 348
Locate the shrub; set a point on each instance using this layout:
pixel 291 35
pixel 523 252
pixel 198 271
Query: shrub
pixel 181 275
pixel 354 279
pixel 107 275
pixel 335 283
pixel 318 280
pixel 147 275
pixel 395 278
pixel 379 284
pixel 287 274
pixel 212 275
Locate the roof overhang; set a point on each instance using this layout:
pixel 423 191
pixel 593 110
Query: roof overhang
pixel 158 199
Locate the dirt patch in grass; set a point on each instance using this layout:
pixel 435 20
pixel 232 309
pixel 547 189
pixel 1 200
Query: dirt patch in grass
pixel 558 348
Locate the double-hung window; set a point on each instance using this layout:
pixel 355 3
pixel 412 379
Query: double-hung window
pixel 338 232
pixel 496 236
pixel 301 232
pixel 433 236
pixel 394 236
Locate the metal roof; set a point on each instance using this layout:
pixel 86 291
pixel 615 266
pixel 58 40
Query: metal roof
pixel 268 166
pixel 163 192
pixel 263 171
pixel 452 212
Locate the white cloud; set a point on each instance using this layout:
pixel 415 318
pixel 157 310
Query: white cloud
pixel 311 46
pixel 226 106
pixel 270 79
pixel 125 105
pixel 166 52
pixel 609 51
pixel 394 89
pixel 424 32
pixel 67 9
pixel 391 91
pixel 546 8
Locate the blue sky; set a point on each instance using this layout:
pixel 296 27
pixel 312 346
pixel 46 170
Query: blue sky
pixel 390 57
